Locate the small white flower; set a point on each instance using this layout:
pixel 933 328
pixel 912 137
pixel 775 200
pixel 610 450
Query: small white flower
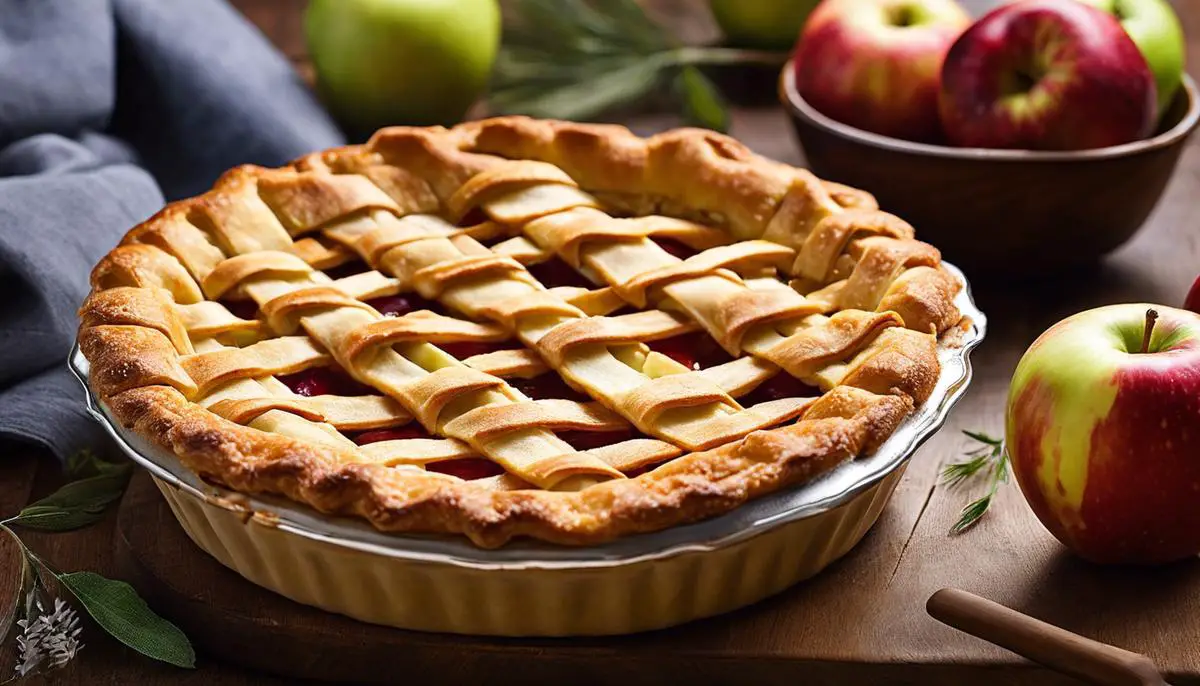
pixel 48 639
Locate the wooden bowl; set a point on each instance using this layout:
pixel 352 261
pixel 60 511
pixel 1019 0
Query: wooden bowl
pixel 1002 213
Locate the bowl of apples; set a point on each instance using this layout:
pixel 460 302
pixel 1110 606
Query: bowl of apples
pixel 1036 139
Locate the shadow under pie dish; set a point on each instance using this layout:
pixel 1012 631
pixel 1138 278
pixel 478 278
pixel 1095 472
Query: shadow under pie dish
pixel 523 329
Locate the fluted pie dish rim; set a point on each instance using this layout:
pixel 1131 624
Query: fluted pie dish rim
pixel 824 494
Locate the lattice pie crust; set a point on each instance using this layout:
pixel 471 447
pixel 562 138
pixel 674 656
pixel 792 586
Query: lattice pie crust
pixel 253 330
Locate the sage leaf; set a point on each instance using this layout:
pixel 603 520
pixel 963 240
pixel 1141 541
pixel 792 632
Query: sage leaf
pixel 579 59
pixel 77 504
pixel 120 611
pixel 57 519
pixel 86 463
pixel 703 104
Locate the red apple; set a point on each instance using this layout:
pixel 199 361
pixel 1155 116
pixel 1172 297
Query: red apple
pixel 875 64
pixel 1046 75
pixel 1103 430
pixel 1193 298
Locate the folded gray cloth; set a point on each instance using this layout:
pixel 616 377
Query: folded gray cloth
pixel 107 107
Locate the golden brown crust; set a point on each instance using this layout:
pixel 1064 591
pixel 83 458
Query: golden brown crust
pixel 845 423
pixel 243 240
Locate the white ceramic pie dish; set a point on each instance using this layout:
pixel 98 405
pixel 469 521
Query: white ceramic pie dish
pixel 528 588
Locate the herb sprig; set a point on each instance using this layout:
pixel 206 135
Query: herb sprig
pixel 576 59
pixel 989 461
pixel 50 635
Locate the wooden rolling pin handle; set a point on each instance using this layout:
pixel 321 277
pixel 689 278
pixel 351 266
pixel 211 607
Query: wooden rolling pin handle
pixel 1044 643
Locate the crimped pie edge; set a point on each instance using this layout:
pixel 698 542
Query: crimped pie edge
pixel 844 423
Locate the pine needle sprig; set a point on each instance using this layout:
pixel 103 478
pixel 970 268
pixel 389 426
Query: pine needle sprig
pixel 577 59
pixel 988 460
pixel 956 473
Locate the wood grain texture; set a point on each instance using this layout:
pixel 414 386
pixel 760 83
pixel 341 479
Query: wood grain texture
pixel 16 484
pixel 861 622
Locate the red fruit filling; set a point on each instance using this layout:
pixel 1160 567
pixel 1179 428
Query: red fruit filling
pixel 473 217
pixel 675 248
pixel 548 385
pixel 644 468
pixel 468 468
pixel 587 440
pixel 782 385
pixel 695 350
pixel 400 305
pixel 464 468
pixel 348 269
pixel 554 272
pixel 412 430
pixel 493 240
pixel 464 349
pixel 325 381
pixel 245 309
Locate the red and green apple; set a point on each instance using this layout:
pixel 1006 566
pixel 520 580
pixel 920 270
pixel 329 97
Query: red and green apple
pixel 1103 430
pixel 1046 75
pixel 1155 29
pixel 875 64
pixel 1193 297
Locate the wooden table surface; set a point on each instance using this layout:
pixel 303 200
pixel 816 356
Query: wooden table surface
pixel 1009 557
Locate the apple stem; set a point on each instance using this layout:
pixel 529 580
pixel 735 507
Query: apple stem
pixel 1151 317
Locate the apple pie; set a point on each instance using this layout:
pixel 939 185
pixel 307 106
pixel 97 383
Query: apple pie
pixel 519 328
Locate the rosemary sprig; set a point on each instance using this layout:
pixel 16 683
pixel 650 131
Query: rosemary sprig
pixel 576 59
pixel 988 460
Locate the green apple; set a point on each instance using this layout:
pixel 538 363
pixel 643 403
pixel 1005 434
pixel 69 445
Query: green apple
pixel 385 62
pixel 763 24
pixel 1155 29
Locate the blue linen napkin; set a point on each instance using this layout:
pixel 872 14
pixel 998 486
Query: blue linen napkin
pixel 107 109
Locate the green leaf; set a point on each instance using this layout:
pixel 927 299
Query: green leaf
pixel 78 503
pixel 605 24
pixel 982 437
pixel 120 611
pixel 971 514
pixel 86 463
pixel 545 22
pixel 703 104
pixel 957 472
pixel 633 20
pixel 575 59
pixel 1000 471
pixel 990 462
pixel 588 98
pixel 57 519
